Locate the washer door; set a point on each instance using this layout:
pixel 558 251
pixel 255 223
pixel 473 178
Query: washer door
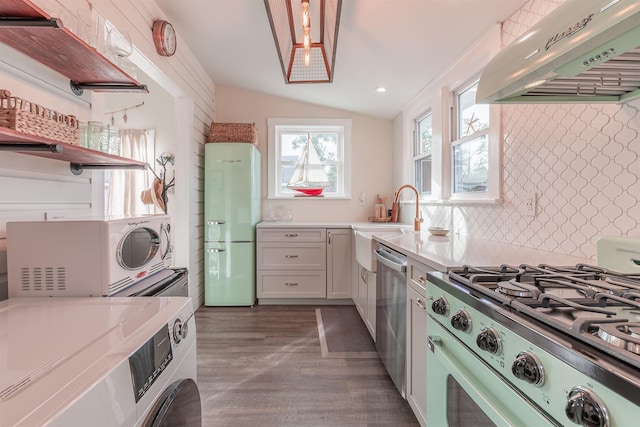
pixel 178 406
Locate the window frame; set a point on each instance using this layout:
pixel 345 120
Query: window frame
pixel 493 133
pixel 419 155
pixel 277 125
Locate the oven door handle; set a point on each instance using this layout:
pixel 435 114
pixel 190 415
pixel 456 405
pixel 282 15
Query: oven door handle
pixel 389 260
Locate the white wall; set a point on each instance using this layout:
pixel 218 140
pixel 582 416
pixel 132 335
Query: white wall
pixel 371 151
pixel 583 161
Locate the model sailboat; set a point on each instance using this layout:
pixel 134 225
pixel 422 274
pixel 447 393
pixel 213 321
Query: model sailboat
pixel 309 176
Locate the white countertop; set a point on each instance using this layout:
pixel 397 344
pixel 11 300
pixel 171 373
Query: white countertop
pixel 447 252
pixel 331 224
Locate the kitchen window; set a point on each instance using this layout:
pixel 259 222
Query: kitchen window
pixel 422 158
pixel 475 147
pixel 309 152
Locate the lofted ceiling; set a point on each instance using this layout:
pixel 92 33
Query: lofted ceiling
pixel 399 44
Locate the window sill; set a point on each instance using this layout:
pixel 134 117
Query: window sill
pixel 309 198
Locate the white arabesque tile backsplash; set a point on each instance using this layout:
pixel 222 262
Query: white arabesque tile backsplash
pixel 582 160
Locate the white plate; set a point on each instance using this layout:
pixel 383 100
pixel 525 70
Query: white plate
pixel 438 231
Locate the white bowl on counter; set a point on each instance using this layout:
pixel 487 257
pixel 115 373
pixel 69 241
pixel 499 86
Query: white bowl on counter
pixel 438 231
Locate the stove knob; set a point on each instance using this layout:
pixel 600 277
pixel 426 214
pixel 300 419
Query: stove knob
pixel 489 340
pixel 527 367
pixel 440 306
pixel 180 330
pixel 585 408
pixel 461 320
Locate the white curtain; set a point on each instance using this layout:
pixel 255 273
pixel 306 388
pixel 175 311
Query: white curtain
pixel 124 186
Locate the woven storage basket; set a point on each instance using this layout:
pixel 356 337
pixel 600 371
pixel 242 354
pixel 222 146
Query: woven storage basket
pixel 234 132
pixel 33 119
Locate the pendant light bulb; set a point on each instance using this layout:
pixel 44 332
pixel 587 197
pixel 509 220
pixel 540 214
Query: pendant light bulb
pixel 306 18
pixel 306 39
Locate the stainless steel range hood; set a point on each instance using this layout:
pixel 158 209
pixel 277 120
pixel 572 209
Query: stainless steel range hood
pixel 585 51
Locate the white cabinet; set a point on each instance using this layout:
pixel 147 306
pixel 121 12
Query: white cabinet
pixel 338 263
pixel 365 299
pixel 291 263
pixel 299 262
pixel 417 339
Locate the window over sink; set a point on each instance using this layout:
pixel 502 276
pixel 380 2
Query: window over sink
pixel 455 140
pixel 422 158
pixel 475 147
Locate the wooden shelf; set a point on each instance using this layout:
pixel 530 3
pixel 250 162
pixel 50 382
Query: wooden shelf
pixel 79 157
pixel 61 50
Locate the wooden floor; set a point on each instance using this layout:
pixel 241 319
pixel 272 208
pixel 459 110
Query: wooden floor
pixel 262 366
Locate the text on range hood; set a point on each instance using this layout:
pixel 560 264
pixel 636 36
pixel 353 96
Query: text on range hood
pixel 585 51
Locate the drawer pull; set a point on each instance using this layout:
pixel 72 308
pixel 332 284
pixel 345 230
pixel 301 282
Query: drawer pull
pixel 215 222
pixel 291 256
pixel 211 251
pixel 421 304
pixel 291 235
pixel 290 284
pixel 421 279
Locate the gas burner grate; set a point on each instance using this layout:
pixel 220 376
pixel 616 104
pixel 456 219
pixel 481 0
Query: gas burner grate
pixel 469 274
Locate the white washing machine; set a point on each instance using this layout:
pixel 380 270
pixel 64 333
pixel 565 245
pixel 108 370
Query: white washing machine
pixel 103 362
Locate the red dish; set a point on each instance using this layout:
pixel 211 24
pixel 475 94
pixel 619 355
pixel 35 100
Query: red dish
pixel 310 191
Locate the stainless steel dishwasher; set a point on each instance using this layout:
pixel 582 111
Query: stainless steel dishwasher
pixel 391 308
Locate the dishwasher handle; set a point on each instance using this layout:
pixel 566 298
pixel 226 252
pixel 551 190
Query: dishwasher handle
pixel 390 260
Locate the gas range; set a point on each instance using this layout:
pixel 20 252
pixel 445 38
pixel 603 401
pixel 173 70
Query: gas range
pixel 566 337
pixel 592 304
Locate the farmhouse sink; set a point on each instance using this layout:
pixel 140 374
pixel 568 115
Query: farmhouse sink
pixel 365 244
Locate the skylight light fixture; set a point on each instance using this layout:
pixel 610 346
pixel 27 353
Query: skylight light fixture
pixel 305 33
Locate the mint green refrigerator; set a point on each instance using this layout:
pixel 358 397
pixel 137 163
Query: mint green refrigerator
pixel 231 212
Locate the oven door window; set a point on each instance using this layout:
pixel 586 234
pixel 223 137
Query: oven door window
pixel 138 247
pixel 462 391
pixel 461 409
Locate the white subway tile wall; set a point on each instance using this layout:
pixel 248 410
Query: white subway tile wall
pixel 583 161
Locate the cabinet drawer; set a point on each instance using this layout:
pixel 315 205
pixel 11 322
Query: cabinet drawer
pixel 291 235
pixel 292 256
pixel 292 284
pixel 417 275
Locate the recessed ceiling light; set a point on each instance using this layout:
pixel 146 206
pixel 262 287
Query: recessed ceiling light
pixel 381 89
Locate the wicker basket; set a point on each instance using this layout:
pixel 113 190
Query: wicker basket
pixel 33 119
pixel 234 132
